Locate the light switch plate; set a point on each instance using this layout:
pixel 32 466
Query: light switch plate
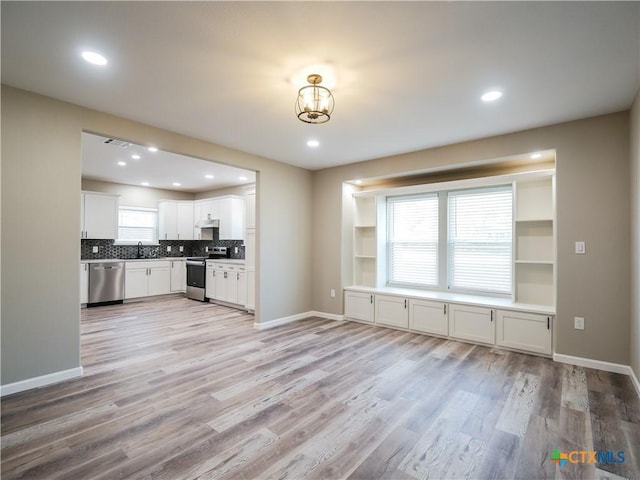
pixel 181 248
pixel 578 323
pixel 581 248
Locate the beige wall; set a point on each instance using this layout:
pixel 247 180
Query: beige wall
pixel 133 196
pixel 41 160
pixel 635 235
pixel 593 198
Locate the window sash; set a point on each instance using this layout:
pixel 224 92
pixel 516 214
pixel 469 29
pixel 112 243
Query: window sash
pixel 412 233
pixel 480 240
pixel 137 224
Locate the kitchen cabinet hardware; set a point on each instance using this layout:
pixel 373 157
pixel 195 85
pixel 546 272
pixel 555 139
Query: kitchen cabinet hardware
pixel 491 316
pixel 405 303
pixel 445 309
pixel 371 298
pixel 548 323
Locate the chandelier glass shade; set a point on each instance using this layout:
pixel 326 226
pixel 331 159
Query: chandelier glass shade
pixel 315 103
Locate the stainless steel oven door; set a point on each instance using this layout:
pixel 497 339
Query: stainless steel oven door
pixel 196 274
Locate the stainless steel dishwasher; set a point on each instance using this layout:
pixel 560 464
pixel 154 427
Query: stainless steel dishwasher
pixel 106 283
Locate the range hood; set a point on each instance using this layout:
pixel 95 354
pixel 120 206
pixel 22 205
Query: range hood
pixel 208 223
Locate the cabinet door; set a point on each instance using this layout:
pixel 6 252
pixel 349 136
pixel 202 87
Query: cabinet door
pixel 251 290
pixel 242 288
pixel 136 283
pixel 221 283
pixel 359 306
pixel 178 276
pixel 231 218
pixel 84 283
pixel 232 284
pixel 168 221
pixel 210 282
pixel 392 311
pixel 472 323
pixel 185 221
pixel 159 280
pixel 100 216
pixel 250 248
pixel 524 331
pixel 429 317
pixel 250 209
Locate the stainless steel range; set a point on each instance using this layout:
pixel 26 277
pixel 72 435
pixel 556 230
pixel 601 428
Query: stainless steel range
pixel 196 273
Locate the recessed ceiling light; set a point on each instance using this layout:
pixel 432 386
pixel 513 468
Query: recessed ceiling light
pixel 152 149
pixel 208 176
pixel 135 156
pixel 242 179
pixel 94 58
pixel 491 96
pixel 145 184
pixel 122 164
pixel 536 155
pixel 176 184
pixel 359 182
pixel 313 143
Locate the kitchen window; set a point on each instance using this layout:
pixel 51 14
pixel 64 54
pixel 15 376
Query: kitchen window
pixel 458 240
pixel 136 224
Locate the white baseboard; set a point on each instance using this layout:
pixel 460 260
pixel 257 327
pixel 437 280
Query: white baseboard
pixel 40 381
pixel 299 316
pixel 595 364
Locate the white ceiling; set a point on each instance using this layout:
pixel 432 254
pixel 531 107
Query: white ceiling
pixel 408 75
pixel 102 161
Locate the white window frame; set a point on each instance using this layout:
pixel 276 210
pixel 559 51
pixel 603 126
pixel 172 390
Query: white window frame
pixel 153 241
pixel 443 243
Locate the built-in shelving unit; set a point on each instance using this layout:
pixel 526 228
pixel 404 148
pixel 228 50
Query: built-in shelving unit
pixel 364 241
pixel 534 245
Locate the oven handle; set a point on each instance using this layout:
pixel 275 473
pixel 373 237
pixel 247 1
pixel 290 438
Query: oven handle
pixel 197 264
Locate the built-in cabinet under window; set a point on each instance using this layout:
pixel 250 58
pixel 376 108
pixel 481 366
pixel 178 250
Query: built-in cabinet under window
pixel 482 324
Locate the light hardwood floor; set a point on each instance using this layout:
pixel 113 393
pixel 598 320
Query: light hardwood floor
pixel 178 389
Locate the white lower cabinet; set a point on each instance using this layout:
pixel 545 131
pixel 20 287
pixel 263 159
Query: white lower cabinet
pixel 359 306
pixel 524 331
pixel 476 324
pixel 178 276
pixel 392 311
pixel 84 283
pixel 428 317
pixel 144 279
pixel 210 281
pixel 242 286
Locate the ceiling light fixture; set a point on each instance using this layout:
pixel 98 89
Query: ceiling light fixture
pixel 491 96
pixel 313 143
pixel 135 156
pixel 176 184
pixel 359 182
pixel 145 184
pixel 536 155
pixel 122 164
pixel 208 176
pixel 243 179
pixel 315 103
pixel 94 58
pixel 152 149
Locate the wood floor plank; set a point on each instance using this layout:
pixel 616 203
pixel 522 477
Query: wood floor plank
pixel 175 388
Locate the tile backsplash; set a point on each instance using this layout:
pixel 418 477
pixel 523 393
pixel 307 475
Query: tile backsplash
pixel 191 248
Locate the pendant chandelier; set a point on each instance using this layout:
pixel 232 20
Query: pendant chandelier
pixel 315 103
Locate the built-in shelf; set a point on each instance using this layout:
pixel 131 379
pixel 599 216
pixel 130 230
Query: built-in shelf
pixel 364 241
pixel 534 242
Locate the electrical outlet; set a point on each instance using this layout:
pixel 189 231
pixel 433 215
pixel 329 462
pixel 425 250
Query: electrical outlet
pixel 181 248
pixel 168 248
pixel 206 249
pixel 333 293
pixel 235 250
pixel 95 249
pixel 578 323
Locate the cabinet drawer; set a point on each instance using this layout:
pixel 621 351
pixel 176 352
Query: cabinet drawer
pixel 148 264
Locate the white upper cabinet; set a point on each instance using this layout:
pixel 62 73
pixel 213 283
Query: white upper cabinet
pixel 99 215
pixel 231 218
pixel 175 220
pixel 250 217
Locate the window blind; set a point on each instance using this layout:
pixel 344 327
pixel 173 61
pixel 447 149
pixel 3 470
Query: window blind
pixel 412 235
pixel 137 224
pixel 480 240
